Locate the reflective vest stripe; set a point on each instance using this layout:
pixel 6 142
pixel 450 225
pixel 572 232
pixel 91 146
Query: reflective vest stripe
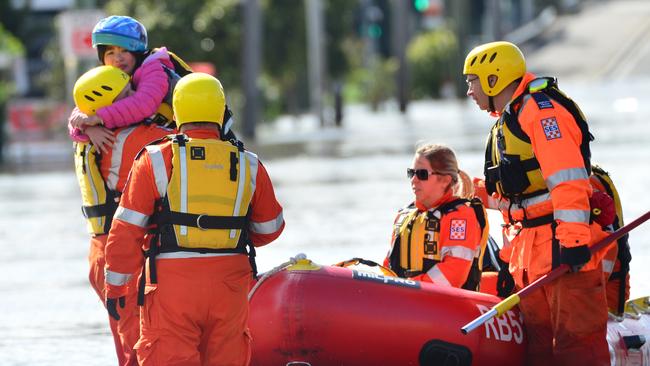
pixel 458 251
pixel 159 169
pixel 93 184
pixel 116 157
pixel 240 188
pixel 252 158
pixel 534 200
pixel 177 255
pixel 132 217
pixel 267 227
pixel 608 266
pixel 566 175
pixel 116 278
pixel 438 277
pixel 183 184
pixel 576 216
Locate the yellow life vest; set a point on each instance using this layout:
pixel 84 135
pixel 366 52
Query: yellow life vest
pixel 511 168
pixel 206 201
pixel 98 201
pixel 417 235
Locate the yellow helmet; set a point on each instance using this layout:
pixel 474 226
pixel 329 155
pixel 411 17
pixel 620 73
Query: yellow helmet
pixel 98 88
pixel 502 59
pixel 198 97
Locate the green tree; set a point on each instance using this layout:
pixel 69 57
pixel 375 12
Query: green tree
pixel 211 31
pixel 196 30
pixel 433 62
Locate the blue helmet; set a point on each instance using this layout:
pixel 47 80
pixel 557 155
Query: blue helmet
pixel 122 31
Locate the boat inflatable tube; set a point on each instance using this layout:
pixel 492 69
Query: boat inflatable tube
pixel 321 315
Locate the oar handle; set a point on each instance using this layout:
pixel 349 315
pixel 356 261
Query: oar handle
pixel 498 310
pixel 512 300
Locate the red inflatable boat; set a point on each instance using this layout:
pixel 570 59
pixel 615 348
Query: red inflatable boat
pixel 307 314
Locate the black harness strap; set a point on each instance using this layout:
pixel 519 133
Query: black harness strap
pixel 150 257
pixel 538 221
pixel 202 221
pixel 555 248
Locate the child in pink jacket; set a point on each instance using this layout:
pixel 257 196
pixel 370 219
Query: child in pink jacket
pixel 121 41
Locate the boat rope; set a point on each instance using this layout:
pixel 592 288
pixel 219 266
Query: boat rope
pixel 268 274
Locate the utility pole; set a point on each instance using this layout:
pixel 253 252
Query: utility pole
pixel 495 15
pixel 252 59
pixel 459 13
pixel 400 37
pixel 315 53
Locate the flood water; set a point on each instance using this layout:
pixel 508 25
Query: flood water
pixel 340 190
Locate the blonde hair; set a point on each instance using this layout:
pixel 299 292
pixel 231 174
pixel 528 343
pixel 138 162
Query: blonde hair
pixel 443 160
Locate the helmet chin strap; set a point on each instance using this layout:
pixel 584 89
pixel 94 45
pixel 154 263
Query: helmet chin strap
pixel 491 108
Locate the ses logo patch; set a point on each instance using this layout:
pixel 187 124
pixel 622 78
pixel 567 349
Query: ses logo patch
pixel 457 229
pixel 551 129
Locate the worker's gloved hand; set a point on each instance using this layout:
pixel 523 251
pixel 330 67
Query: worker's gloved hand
pixel 575 257
pixel 111 306
pixel 505 282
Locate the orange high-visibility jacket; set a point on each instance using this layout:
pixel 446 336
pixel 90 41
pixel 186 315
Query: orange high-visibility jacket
pixel 116 163
pixel 555 140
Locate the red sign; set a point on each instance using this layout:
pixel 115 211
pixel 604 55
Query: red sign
pixel 76 27
pixel 36 119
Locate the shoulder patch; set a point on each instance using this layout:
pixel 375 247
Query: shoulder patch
pixel 551 129
pixel 457 229
pixel 542 100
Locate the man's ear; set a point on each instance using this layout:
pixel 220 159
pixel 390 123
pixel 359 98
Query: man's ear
pixel 492 80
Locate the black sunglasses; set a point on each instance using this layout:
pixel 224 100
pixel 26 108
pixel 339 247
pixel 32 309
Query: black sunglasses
pixel 422 174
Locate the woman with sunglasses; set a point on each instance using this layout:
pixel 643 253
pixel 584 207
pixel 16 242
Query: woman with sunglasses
pixel 439 237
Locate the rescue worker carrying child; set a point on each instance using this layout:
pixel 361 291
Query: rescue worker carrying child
pixel 101 178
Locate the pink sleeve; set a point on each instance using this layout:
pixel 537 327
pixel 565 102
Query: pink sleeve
pixel 76 135
pixel 151 84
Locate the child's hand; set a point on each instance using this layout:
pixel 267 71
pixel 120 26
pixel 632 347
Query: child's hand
pixel 77 118
pixel 101 137
pixel 80 120
pixel 93 121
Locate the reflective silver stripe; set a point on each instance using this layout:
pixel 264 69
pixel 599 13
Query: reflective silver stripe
pixel 159 170
pixel 116 158
pixel 175 255
pixel 576 216
pixel 240 188
pixel 132 217
pixel 608 266
pixel 87 152
pixel 565 175
pixel 183 188
pixel 524 101
pixel 253 164
pixel 267 227
pixel 117 279
pixel 438 277
pixel 535 200
pixel 457 251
